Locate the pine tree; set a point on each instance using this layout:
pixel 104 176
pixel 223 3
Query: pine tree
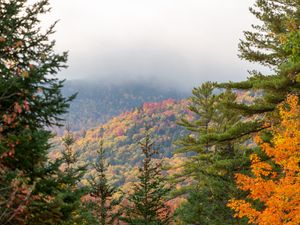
pixel 210 164
pixel 30 100
pixel 274 44
pixel 105 203
pixel 147 203
pixel 203 103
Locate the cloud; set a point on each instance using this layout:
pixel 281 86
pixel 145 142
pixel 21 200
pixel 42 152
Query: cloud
pixel 178 41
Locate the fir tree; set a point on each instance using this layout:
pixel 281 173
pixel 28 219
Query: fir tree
pixel 105 203
pixel 210 164
pixel 30 100
pixel 71 191
pixel 147 203
pixel 66 206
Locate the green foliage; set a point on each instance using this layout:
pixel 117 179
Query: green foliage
pixel 62 184
pixel 104 201
pixel 211 164
pixel 202 104
pixel 147 202
pixel 31 99
pixel 70 193
pixel 275 44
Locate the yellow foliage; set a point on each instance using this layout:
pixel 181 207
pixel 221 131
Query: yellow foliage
pixel 25 74
pixel 279 192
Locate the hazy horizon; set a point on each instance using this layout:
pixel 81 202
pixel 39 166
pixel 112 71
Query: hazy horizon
pixel 171 42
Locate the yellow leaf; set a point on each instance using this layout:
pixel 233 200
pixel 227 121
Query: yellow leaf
pixel 298 78
pixel 25 74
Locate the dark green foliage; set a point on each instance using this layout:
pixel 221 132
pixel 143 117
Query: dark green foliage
pixel 71 192
pixel 211 164
pixel 202 103
pixel 147 202
pixel 104 201
pixel 195 211
pixel 275 44
pixel 30 100
pixel 61 192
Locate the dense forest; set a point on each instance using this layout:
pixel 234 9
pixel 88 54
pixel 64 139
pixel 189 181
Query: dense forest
pixel 96 102
pixel 228 154
pixel 122 134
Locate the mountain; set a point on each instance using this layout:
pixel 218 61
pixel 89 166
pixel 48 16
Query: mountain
pixel 122 134
pixel 92 117
pixel 96 102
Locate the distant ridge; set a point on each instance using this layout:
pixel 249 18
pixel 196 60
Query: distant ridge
pixel 96 102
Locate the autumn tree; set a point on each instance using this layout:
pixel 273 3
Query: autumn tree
pixel 273 188
pixel 104 200
pixel 30 101
pixel 274 43
pixel 147 202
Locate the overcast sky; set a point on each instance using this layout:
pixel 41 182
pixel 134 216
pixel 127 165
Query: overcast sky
pixel 183 41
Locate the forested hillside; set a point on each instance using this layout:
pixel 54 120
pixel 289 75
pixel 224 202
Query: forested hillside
pixel 123 133
pixel 237 156
pixel 97 102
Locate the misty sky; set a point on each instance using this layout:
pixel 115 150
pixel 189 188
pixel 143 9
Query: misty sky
pixel 183 41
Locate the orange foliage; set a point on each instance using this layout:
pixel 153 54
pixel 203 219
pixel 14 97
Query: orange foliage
pixel 278 192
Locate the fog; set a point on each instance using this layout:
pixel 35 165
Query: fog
pixel 173 42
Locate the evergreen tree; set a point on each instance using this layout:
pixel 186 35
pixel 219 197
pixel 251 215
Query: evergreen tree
pixel 210 164
pixel 105 203
pixel 30 100
pixel 66 191
pixel 203 103
pixel 147 202
pixel 71 191
pixel 274 44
